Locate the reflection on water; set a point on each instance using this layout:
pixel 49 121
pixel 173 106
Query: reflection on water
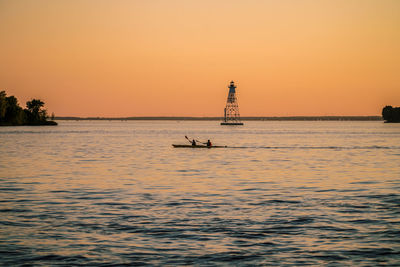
pixel 104 193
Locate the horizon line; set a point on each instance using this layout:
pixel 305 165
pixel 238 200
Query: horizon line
pixel 247 118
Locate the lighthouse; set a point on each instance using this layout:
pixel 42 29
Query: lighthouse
pixel 231 111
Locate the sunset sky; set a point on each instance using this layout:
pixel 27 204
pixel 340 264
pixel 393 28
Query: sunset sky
pixel 176 58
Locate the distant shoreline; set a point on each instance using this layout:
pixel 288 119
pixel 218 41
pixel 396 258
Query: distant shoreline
pixel 289 118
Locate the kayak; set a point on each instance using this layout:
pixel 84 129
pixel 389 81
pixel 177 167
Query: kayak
pixel 198 146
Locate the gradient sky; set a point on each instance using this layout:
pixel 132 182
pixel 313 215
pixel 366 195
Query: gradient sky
pixel 176 58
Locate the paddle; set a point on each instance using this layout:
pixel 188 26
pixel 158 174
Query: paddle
pixel 191 140
pixel 188 139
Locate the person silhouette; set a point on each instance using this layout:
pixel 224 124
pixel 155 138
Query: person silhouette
pixel 209 142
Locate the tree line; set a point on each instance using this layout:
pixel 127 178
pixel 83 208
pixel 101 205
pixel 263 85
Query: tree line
pixel 391 114
pixel 11 114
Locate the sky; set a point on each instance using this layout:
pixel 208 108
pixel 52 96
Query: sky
pixel 176 57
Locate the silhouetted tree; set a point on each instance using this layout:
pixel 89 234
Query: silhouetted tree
pixel 3 106
pixel 34 105
pixel 12 114
pixel 387 113
pixel 35 111
pixel 391 114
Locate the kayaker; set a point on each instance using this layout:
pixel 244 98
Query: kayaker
pixel 209 142
pixel 193 142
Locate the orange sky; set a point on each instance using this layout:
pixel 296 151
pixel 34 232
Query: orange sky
pixel 176 58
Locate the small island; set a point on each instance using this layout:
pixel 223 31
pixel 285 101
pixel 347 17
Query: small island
pixel 11 114
pixel 391 114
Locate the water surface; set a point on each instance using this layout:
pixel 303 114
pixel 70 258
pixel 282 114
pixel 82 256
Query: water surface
pixel 282 193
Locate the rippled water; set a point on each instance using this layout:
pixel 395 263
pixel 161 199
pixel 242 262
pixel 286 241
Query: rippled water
pixel 282 193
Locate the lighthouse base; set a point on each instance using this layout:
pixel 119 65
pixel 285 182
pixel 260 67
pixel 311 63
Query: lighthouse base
pixel 231 123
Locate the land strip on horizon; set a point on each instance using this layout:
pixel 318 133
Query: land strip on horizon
pixel 289 118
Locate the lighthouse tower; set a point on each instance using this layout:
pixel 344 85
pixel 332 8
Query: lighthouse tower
pixel 231 111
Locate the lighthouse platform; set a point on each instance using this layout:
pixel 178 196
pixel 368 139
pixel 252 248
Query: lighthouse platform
pixel 231 123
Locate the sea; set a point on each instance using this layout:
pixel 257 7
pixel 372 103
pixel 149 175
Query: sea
pixel 282 193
